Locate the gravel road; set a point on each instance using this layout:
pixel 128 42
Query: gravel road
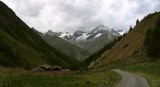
pixel 131 80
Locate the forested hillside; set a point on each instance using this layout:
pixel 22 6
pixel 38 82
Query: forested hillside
pixel 22 47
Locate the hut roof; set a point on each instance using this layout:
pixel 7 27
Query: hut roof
pixel 45 66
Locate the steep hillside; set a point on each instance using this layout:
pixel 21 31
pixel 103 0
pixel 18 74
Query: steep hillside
pixel 21 47
pixel 66 47
pixel 130 49
pixel 99 42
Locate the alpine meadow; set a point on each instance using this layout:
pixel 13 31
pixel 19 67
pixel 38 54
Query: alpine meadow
pixel 79 43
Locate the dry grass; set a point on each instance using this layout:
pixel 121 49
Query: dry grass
pixel 130 43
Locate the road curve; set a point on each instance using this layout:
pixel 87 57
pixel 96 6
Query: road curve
pixel 131 80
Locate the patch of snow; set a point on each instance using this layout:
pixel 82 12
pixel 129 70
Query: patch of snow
pixel 82 38
pixel 115 34
pixel 98 35
pixel 62 35
pixel 65 34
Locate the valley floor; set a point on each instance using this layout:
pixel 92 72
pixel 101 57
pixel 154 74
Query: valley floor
pixel 149 70
pixel 20 78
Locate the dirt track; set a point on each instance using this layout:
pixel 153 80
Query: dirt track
pixel 131 80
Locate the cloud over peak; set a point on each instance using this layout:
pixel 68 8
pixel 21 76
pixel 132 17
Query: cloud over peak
pixel 70 15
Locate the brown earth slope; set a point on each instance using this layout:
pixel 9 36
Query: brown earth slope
pixel 130 46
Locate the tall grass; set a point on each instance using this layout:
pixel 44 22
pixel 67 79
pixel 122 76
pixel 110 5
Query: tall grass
pixel 97 78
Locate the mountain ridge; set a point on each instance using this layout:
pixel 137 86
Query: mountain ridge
pixel 23 47
pixel 66 47
pixel 78 33
pixel 88 40
pixel 129 49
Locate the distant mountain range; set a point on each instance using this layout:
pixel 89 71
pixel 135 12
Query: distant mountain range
pixel 24 47
pixel 91 41
pixel 66 47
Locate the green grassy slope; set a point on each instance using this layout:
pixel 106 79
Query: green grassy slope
pixel 22 47
pixel 21 78
pixel 149 70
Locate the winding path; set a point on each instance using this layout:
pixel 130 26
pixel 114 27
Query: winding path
pixel 131 80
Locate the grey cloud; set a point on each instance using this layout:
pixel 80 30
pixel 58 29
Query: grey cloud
pixel 144 6
pixel 70 15
pixel 157 5
pixel 82 15
pixel 30 8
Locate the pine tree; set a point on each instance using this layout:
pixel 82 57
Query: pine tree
pixel 149 42
pixel 130 29
pixel 148 37
pixel 156 40
pixel 152 42
pixel 137 21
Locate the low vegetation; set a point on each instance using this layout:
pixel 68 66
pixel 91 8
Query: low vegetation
pixel 149 70
pixel 21 47
pixel 96 78
pixel 98 54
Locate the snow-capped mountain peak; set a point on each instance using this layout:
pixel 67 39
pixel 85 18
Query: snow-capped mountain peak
pixel 100 29
pixel 78 33
pixel 92 40
pixel 81 36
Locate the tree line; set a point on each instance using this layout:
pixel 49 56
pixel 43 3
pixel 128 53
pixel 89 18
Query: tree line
pixel 152 41
pixel 98 54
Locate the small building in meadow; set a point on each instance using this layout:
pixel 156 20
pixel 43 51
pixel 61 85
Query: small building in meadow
pixel 43 68
pixel 56 68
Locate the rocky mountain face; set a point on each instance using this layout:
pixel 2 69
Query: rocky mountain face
pixel 91 41
pixel 65 46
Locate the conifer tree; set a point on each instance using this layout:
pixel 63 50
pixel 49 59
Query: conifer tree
pixel 152 41
pixel 130 28
pixel 137 21
pixel 148 37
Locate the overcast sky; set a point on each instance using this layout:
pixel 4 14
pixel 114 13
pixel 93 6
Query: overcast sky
pixel 70 15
